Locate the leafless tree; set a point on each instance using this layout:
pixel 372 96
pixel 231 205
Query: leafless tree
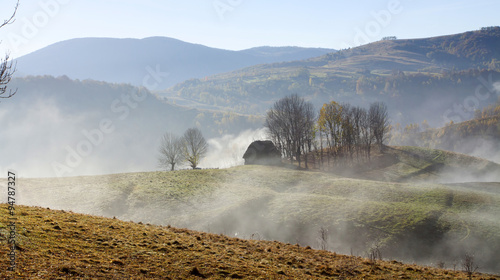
pixel 291 126
pixel 348 129
pixel 469 265
pixel 323 238
pixel 170 151
pixel 374 253
pixel 357 115
pixel 195 146
pixel 308 131
pixel 7 68
pixel 366 132
pixel 379 120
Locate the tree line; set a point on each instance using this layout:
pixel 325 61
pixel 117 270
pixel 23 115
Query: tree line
pixel 339 130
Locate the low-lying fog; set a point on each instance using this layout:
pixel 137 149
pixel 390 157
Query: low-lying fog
pixel 44 142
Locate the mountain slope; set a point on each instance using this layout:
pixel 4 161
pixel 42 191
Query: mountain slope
pixel 130 60
pixel 57 244
pixel 412 76
pixel 460 51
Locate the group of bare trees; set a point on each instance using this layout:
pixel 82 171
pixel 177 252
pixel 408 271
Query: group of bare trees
pixel 174 150
pixel 347 131
pixel 291 125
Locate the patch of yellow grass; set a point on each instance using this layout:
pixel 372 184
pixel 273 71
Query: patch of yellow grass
pixel 64 245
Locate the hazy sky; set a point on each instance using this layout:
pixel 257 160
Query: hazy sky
pixel 241 24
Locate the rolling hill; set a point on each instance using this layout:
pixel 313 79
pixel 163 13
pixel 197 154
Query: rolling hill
pixel 131 60
pixel 413 76
pixel 413 164
pixel 413 221
pixel 61 245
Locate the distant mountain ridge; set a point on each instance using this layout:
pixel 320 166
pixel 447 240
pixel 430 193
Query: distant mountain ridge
pixel 130 60
pixel 410 75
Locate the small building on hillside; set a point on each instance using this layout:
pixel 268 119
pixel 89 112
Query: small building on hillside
pixel 262 153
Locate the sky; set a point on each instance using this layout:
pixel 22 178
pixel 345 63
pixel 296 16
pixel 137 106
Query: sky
pixel 240 24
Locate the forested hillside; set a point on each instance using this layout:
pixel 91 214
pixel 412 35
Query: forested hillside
pixel 411 76
pixel 479 136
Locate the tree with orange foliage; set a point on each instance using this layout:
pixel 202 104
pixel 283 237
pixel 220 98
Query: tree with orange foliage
pixel 330 125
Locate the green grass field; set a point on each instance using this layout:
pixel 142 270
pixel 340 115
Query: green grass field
pixel 420 221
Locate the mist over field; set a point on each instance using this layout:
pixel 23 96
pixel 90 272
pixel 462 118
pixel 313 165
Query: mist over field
pixel 412 206
pixel 422 223
pixel 59 127
pixel 59 142
pixel 387 149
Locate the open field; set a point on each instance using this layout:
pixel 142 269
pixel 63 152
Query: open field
pixel 417 221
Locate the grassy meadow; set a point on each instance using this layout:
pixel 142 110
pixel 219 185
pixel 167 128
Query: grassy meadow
pixel 425 221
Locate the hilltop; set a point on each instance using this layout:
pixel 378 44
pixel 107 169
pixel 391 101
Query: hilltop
pixel 413 221
pixel 131 60
pixel 59 244
pixel 412 76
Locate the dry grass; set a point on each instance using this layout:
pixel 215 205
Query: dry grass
pixel 64 245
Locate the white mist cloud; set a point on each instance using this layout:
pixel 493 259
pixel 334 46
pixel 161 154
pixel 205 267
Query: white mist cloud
pixel 228 150
pixel 38 133
pixel 31 138
pixel 497 88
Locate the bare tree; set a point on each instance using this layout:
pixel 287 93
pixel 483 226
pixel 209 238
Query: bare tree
pixel 379 120
pixel 7 68
pixel 323 238
pixel 348 128
pixel 170 151
pixel 374 253
pixel 469 265
pixel 366 132
pixel 291 126
pixel 195 146
pixel 307 133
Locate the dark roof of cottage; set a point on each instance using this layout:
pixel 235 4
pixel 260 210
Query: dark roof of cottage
pixel 261 148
